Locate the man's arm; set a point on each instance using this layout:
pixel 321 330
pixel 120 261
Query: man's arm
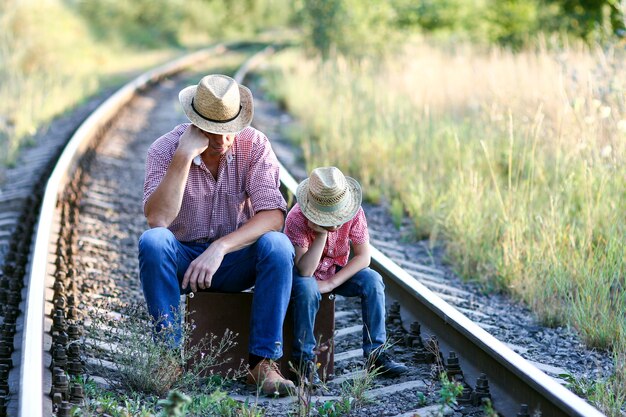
pixel 164 203
pixel 201 270
pixel 359 261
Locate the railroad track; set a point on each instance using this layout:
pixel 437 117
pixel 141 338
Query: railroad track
pixel 84 249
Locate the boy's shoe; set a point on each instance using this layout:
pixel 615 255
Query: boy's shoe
pixel 308 375
pixel 266 375
pixel 385 366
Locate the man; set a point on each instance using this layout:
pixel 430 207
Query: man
pixel 212 200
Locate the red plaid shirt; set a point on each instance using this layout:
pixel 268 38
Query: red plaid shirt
pixel 247 182
pixel 337 248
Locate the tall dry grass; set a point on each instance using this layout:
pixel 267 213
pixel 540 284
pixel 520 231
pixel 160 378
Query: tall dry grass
pixel 516 160
pixel 50 62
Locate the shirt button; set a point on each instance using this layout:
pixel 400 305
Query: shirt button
pixel 330 252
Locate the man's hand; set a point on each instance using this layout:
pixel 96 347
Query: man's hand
pixel 325 286
pixel 200 272
pixel 192 142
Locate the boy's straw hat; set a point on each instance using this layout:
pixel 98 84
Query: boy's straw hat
pixel 218 104
pixel 328 198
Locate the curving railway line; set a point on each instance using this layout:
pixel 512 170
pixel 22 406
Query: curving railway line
pixel 83 249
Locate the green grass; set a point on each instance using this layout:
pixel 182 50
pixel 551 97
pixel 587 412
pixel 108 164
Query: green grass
pixel 100 401
pixel 516 161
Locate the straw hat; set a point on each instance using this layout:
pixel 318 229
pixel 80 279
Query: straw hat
pixel 328 198
pixel 218 104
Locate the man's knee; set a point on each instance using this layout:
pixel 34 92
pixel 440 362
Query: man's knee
pixel 156 240
pixel 276 245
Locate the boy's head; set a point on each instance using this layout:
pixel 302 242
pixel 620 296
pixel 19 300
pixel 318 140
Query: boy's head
pixel 328 198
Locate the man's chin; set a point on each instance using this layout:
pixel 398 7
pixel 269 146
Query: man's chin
pixel 220 151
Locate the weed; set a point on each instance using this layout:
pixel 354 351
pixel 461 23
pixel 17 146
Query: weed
pixel 609 395
pixel 305 374
pixel 488 410
pixel 334 408
pixel 421 399
pixel 174 404
pixel 449 391
pixel 141 362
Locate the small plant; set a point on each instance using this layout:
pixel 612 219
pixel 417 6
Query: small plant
pixel 608 395
pixel 334 408
pixel 421 399
pixel 488 409
pixel 448 393
pixel 304 376
pixel 143 362
pixel 173 405
pixel 357 387
pixel 100 402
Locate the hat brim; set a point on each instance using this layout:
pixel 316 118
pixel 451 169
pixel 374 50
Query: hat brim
pixel 242 121
pixel 337 217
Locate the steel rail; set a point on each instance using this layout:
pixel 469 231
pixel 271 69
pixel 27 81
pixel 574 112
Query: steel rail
pixel 30 396
pixel 516 380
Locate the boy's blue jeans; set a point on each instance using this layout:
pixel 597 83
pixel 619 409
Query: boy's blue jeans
pixel 305 298
pixel 267 265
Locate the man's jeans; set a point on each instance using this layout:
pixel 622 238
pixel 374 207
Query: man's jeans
pixel 305 299
pixel 266 265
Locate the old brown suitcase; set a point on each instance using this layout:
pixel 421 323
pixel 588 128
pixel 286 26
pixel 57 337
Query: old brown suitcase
pixel 216 312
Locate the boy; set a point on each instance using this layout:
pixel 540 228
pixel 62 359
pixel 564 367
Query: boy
pixel 327 217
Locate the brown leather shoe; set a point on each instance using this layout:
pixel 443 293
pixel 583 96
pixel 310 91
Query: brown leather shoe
pixel 267 375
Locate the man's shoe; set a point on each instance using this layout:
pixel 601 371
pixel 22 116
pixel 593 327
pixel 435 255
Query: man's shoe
pixel 385 366
pixel 266 375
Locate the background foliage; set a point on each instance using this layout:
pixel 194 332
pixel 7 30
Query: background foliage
pixel 515 110
pixel 61 51
pixel 358 27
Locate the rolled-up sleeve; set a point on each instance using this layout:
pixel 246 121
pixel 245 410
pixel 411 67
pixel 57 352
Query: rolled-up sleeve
pixel 263 182
pixel 156 167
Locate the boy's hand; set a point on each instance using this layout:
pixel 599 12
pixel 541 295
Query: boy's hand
pixel 316 228
pixel 325 286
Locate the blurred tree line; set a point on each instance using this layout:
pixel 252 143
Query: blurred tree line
pixel 353 27
pixel 158 23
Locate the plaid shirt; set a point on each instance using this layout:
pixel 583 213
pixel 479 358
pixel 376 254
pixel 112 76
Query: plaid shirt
pixel 247 182
pixel 337 248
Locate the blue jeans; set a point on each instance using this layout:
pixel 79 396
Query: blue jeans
pixel 305 299
pixel 266 265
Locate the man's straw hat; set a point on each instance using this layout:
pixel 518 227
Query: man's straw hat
pixel 218 104
pixel 328 198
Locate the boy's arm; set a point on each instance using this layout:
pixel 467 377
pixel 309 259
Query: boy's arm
pixel 307 259
pixel 359 261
